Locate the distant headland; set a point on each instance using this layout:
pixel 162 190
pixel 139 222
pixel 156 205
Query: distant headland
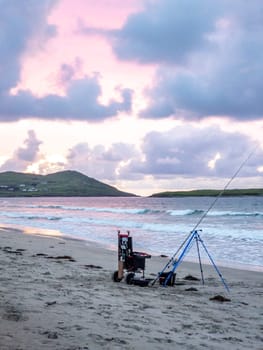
pixel 72 183
pixel 61 184
pixel 211 193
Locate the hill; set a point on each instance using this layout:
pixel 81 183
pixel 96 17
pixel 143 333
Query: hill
pixel 211 193
pixel 61 184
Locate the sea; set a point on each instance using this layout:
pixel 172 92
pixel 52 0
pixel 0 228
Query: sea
pixel 231 228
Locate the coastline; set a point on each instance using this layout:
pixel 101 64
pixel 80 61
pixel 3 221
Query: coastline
pixel 72 303
pixel 49 233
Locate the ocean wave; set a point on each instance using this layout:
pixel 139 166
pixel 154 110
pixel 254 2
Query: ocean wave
pixel 232 231
pixel 188 212
pixel 140 211
pixel 96 209
pixel 234 213
pixel 51 206
pixel 184 212
pixel 123 210
pixel 31 217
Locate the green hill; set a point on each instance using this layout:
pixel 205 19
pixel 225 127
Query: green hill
pixel 211 193
pixel 65 183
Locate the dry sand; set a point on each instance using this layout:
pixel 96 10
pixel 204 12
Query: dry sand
pixel 70 304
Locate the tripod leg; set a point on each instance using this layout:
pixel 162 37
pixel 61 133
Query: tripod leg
pixel 199 258
pixel 216 268
pixel 176 263
pixel 172 260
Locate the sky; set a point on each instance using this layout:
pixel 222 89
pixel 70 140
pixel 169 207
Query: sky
pixel 144 95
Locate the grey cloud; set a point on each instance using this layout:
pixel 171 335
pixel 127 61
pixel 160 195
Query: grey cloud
pixel 80 103
pixel 100 162
pixel 182 152
pixel 232 89
pixel 20 20
pixel 186 152
pixel 119 152
pixel 25 155
pixel 210 54
pixel 166 31
pixel 67 72
pixel 31 149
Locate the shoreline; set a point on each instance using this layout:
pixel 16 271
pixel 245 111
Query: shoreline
pixel 58 234
pixel 58 293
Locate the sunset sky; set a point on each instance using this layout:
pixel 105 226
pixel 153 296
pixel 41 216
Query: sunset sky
pixel 144 95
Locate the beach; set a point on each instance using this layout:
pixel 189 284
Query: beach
pixel 58 293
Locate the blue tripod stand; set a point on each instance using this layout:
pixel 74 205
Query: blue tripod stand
pixel 182 251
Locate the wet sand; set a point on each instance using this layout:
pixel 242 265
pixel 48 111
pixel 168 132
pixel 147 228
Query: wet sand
pixel 57 293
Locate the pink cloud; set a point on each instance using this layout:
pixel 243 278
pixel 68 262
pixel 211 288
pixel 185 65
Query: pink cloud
pixel 103 13
pixel 81 54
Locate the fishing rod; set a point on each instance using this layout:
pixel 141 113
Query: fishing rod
pixel 172 259
pixel 224 189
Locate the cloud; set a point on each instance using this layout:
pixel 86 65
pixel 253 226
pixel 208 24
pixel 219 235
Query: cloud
pixel 166 31
pixel 24 156
pixel 182 152
pixel 20 22
pixel 24 28
pixel 31 149
pixel 191 152
pixel 209 55
pixel 100 162
pixel 68 72
pixel 79 103
pixel 172 158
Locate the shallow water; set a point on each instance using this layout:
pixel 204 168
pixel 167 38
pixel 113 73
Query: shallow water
pixel 232 231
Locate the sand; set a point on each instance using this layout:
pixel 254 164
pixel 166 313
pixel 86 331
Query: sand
pixel 71 302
